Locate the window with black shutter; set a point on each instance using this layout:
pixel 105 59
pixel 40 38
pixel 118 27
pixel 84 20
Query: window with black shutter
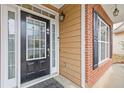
pixel 102 41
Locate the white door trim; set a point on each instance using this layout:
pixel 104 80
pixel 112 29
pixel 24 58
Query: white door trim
pixel 83 45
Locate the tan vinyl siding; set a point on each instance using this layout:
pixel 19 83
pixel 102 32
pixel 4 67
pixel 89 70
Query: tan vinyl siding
pixel 70 43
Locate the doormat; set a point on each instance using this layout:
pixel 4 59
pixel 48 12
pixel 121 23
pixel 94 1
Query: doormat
pixel 50 83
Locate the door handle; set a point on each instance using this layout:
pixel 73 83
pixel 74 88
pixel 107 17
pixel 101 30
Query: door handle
pixel 48 51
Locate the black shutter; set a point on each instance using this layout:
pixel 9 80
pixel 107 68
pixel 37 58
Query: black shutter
pixel 110 43
pixel 95 61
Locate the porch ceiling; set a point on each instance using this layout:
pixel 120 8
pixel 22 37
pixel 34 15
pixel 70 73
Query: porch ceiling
pixel 109 8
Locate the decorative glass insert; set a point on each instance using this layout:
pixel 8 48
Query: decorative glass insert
pixel 35 39
pixel 11 45
pixel 53 45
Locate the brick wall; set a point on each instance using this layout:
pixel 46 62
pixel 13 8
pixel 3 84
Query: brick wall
pixel 93 75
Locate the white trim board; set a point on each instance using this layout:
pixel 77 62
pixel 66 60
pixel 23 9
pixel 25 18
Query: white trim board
pixel 83 45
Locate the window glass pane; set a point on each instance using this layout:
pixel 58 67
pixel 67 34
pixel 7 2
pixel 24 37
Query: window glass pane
pixel 102 51
pixel 108 29
pixel 99 32
pixel 11 57
pixel 42 24
pixel 11 72
pixel 11 45
pixel 42 36
pixel 107 34
pixel 107 45
pixel 30 34
pixel 108 50
pixel 37 35
pixel 36 25
pixel 30 25
pixel 36 53
pixel 42 44
pixel 30 43
pixel 30 54
pixel 103 30
pixel 42 52
pixel 36 43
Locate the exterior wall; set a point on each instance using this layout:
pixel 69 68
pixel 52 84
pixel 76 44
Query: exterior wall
pixel 117 47
pixel 70 43
pixel 93 75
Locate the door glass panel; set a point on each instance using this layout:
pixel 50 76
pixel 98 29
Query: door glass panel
pixel 42 53
pixel 11 45
pixel 36 44
pixel 35 39
pixel 36 53
pixel 30 54
pixel 30 43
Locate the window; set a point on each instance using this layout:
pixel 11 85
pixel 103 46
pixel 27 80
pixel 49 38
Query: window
pixel 35 39
pixel 103 40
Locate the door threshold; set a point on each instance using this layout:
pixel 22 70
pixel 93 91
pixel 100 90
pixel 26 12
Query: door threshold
pixel 38 80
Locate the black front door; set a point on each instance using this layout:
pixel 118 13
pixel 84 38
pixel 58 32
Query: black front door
pixel 35 46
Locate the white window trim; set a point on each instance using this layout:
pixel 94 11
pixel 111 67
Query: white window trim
pixel 107 42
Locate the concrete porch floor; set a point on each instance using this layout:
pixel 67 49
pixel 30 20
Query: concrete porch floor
pixel 65 82
pixel 56 82
pixel 113 78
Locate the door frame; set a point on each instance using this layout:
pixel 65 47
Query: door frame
pixel 52 21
